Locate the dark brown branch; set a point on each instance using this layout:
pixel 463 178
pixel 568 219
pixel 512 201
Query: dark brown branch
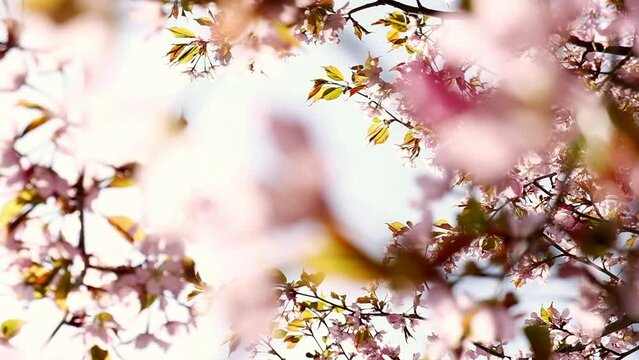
pixel 629 352
pixel 423 10
pixel 272 349
pixel 419 9
pixel 621 228
pixel 617 325
pixel 599 47
pixel 584 260
pixel 491 351
pixel 79 199
pixel 394 118
pixel 613 327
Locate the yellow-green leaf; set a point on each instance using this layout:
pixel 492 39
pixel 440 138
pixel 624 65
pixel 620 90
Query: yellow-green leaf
pixel 392 34
pixel 359 30
pixel 119 181
pixel 286 35
pixel 10 328
pixel 16 206
pixel 292 340
pixel 30 105
pixel 204 21
pixel 378 132
pixel 340 258
pixel 175 51
pixel 443 224
pixel 546 314
pixel 409 137
pixel 315 90
pixel 279 334
pixel 332 93
pixel 181 32
pixel 333 73
pixel 279 277
pixel 146 301
pixel 307 315
pixel 188 55
pixel 127 228
pixel 397 20
pixel 397 228
pixel 62 290
pixel 312 280
pixel 296 325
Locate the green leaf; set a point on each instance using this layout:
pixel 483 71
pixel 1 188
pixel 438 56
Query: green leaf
pixel 10 328
pixel 181 32
pixel 473 219
pixel 539 339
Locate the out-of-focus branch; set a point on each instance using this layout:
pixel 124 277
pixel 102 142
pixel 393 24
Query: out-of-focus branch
pixel 584 260
pixel 592 46
pixel 492 351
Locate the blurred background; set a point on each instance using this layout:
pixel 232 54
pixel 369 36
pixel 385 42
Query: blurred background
pixel 232 113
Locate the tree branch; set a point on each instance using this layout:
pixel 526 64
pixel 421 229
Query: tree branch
pixel 491 351
pixel 419 9
pixel 584 260
pixel 599 47
pixel 423 10
pixel 617 325
pixel 628 353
